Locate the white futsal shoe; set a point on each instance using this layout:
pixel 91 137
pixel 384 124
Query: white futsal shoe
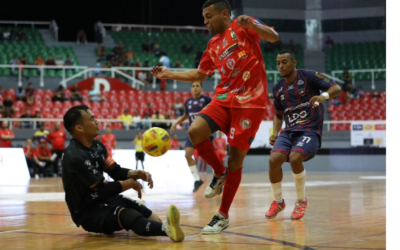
pixel 215 186
pixel 216 225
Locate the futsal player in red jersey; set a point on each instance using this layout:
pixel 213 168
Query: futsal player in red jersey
pixel 109 140
pixel 240 101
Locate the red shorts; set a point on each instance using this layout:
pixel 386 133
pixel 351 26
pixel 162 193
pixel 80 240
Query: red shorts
pixel 239 124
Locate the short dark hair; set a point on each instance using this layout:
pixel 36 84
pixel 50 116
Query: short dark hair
pixel 74 117
pixel 201 84
pixel 288 51
pixel 220 5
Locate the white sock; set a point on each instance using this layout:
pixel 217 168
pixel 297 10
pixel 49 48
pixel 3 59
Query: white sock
pixel 276 189
pixel 195 174
pixel 300 180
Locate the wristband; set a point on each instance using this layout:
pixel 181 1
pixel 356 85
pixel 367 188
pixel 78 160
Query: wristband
pixel 326 95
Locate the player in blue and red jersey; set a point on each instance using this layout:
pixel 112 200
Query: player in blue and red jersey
pixel 240 101
pixel 298 101
pixel 193 106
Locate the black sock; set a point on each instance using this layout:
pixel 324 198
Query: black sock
pixel 131 219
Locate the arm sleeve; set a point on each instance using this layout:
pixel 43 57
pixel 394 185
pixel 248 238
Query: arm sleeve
pixel 112 168
pixel 319 81
pixel 277 103
pixel 206 65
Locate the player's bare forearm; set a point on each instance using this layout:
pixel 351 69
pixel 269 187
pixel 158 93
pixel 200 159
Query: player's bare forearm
pixel 181 119
pixel 266 33
pixel 132 174
pixel 277 124
pixel 188 76
pixel 334 91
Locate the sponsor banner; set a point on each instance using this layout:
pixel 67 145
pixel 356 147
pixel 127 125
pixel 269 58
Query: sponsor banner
pixel 369 134
pixel 13 167
pixel 103 84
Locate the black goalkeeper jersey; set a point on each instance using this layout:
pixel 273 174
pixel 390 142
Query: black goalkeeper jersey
pixel 81 168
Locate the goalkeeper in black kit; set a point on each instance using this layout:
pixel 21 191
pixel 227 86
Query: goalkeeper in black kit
pixel 95 203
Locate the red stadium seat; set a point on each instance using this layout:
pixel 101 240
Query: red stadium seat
pixel 104 111
pixel 67 93
pixel 117 125
pixel 57 104
pixel 39 92
pixel 56 111
pixel 76 103
pixel 104 105
pixel 67 104
pixel 115 112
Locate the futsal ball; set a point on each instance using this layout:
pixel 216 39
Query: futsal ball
pixel 156 141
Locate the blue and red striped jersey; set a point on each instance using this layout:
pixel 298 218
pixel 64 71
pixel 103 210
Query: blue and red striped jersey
pixel 292 101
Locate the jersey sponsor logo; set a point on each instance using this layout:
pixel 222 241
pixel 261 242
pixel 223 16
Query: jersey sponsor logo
pixel 239 90
pixel 295 116
pixel 326 79
pixel 226 85
pixel 216 52
pixel 319 75
pixel 300 82
pixel 233 35
pixel 230 63
pixel 228 52
pixel 245 123
pixel 193 115
pixel 224 43
pixel 300 144
pixel 304 104
pixel 242 55
pixel 223 70
pixel 246 75
pixel 380 126
pixel 94 195
pixel 234 73
pixel 222 97
pixel 87 163
pixel 369 127
pixel 302 92
pixel 244 97
pixel 290 87
pixel 358 127
pixel 195 102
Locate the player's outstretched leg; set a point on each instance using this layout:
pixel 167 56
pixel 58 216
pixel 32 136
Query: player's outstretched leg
pixel 193 167
pixel 199 132
pixel 276 161
pixel 133 220
pixel 299 174
pixel 234 175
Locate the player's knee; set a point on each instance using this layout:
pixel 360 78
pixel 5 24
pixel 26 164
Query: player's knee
pixel 295 159
pixel 193 133
pixel 276 160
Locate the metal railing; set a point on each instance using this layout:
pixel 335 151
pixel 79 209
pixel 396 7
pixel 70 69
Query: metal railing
pixel 100 27
pixel 52 25
pixel 353 71
pixel 54 29
pixel 119 26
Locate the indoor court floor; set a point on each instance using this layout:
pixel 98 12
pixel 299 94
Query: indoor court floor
pixel 346 211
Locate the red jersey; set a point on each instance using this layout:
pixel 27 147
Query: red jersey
pixel 236 54
pixel 5 143
pixel 57 139
pixel 31 152
pixel 175 144
pixel 220 144
pixel 42 152
pixel 109 142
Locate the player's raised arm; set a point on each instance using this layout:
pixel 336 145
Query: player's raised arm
pixel 188 76
pixel 180 120
pixel 266 33
pixel 324 84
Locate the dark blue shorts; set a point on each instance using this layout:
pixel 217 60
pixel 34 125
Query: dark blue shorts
pixel 188 143
pixel 305 143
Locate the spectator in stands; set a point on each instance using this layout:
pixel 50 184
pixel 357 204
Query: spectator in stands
pixel 59 61
pixel 168 117
pixel 59 94
pixel 76 94
pixel 136 119
pixel 38 124
pixel 26 124
pixel 98 67
pixel 109 140
pixel 347 82
pixel 31 159
pixel 39 61
pixel 8 106
pixel 178 64
pixel 329 43
pixel 130 56
pixel 158 116
pixel 14 35
pixel 6 34
pixel 94 95
pixel 30 94
pixel 6 135
pixel 269 47
pixel 157 50
pixel 143 76
pixel 146 121
pixel 126 118
pixel 187 48
pixel 50 61
pixel 153 46
pixel 20 94
pixel 44 156
pixel 175 144
pixel 42 133
pixel 360 92
pixel 148 72
pixel 22 36
pixel 81 37
pixel 146 47
pixel 57 139
pixel 164 60
pixel 14 62
pixel 119 49
pixel 24 60
pixel 111 57
pixel 101 50
pixel 68 62
pixel 178 107
pixel 292 47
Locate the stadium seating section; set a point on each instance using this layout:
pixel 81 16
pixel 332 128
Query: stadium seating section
pixel 358 56
pixel 31 48
pixel 171 43
pixel 363 109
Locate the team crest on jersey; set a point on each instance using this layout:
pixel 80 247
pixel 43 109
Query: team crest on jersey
pixel 319 75
pixel 290 87
pixel 245 123
pixel 230 63
pixel 235 72
pixel 246 75
pixel 224 43
pixel 242 55
pixel 233 35
pixel 300 82
pixel 223 70
pixel 302 92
